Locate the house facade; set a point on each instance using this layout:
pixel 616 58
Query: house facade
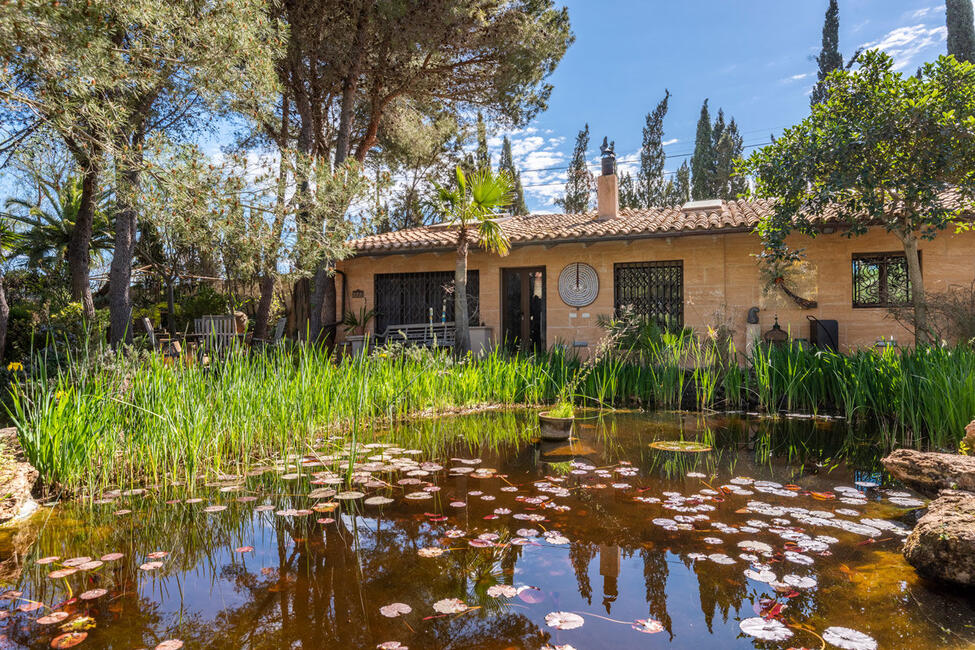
pixel 694 266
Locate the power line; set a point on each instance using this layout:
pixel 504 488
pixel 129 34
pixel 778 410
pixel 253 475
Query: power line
pixel 683 155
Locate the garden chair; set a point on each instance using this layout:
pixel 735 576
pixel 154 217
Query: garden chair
pixel 216 333
pixel 276 337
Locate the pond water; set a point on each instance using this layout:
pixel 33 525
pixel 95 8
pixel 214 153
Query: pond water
pixel 465 533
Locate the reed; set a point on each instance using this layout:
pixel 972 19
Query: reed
pixel 92 423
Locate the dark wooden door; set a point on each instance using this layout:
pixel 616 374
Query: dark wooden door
pixel 523 308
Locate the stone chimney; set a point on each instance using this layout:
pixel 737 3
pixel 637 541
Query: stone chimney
pixel 607 186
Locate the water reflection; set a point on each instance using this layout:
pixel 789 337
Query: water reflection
pixel 244 577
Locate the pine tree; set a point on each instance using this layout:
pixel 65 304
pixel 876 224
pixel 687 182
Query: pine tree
pixel 579 185
pixel 629 197
pixel 650 184
pixel 681 192
pixel 483 159
pixel 507 164
pixel 702 162
pixel 961 29
pixel 829 58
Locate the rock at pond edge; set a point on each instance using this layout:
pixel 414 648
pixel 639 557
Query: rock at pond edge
pixel 942 545
pixel 931 472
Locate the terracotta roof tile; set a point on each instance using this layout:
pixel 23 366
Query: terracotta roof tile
pixel 733 216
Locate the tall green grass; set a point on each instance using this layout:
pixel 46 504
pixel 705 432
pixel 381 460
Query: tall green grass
pixel 88 425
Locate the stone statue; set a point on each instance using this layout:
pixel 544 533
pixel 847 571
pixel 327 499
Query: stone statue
pixel 608 153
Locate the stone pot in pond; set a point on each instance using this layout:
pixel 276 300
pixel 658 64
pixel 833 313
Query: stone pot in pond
pixel 554 428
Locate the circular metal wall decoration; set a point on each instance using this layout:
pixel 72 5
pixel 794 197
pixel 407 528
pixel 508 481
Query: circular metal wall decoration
pixel 578 284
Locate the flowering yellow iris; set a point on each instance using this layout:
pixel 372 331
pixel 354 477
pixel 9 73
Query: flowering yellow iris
pixel 14 366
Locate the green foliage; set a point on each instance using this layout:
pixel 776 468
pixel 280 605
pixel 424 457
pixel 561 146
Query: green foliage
pixel 580 184
pixel 507 164
pixel 702 162
pixel 960 21
pixel 355 322
pixel 883 149
pixel 829 58
pixel 650 184
pixel 205 300
pixel 627 192
pixel 47 225
pixel 98 422
pixel 562 410
pixel 681 192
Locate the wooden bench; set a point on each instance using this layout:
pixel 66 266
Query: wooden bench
pixel 439 335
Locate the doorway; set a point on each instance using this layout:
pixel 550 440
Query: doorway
pixel 523 308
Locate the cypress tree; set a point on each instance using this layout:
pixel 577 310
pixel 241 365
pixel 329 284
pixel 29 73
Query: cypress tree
pixel 507 164
pixel 579 184
pixel 961 29
pixel 483 159
pixel 829 58
pixel 650 184
pixel 681 190
pixel 718 129
pixel 702 162
pixel 730 147
pixel 629 197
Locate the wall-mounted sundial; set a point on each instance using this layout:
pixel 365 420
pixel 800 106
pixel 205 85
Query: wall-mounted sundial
pixel 578 284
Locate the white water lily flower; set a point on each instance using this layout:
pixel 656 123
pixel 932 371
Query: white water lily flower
pixel 395 609
pixel 844 637
pixel 450 606
pixel 766 630
pixel 564 620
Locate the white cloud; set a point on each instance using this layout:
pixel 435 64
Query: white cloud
pixel 905 43
pixel 795 77
pixel 667 143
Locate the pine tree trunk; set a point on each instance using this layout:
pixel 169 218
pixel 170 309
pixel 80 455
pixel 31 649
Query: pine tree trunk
pixel 462 335
pixel 79 246
pixel 4 317
pixel 261 325
pixel 128 181
pixel 922 335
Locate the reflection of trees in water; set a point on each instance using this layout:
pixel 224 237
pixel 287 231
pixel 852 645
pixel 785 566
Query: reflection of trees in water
pixel 655 573
pixel 580 555
pixel 721 588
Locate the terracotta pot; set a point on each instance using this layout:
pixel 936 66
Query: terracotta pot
pixel 555 428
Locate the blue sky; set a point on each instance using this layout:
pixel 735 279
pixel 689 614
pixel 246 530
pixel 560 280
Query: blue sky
pixel 754 58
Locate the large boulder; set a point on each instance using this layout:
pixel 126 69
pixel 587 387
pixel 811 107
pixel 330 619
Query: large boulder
pixel 942 545
pixel 17 478
pixel 929 472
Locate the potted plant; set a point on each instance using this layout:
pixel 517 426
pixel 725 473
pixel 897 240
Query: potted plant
pixel 354 324
pixel 557 422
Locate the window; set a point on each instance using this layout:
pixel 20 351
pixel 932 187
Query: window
pixel 652 289
pixel 880 280
pixel 407 298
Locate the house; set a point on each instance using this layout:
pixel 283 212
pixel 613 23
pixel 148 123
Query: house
pixel 693 265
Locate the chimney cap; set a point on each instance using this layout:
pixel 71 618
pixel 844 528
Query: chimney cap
pixel 707 204
pixel 607 152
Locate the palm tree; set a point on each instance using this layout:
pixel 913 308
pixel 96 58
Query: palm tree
pixel 46 225
pixel 471 207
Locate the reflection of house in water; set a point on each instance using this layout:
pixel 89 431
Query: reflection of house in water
pixel 609 569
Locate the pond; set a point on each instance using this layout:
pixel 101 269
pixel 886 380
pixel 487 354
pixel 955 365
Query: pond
pixel 463 532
